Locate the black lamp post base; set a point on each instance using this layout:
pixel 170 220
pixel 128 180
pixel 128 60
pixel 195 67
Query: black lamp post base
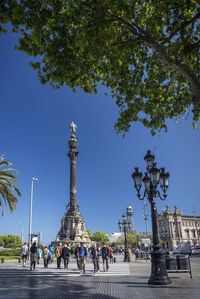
pixel 159 281
pixel 159 274
pixel 126 256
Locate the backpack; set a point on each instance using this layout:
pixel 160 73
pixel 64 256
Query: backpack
pixel 57 252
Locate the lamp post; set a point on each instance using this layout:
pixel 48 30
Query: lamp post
pixel 30 217
pixel 126 225
pixel 151 179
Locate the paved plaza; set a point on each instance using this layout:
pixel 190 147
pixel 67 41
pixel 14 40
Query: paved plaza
pixel 123 280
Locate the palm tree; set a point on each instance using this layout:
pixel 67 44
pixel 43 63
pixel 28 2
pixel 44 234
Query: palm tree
pixel 7 187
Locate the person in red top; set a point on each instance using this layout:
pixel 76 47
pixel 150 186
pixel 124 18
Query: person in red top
pixel 111 255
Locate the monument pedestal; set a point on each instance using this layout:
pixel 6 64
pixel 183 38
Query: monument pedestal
pixel 72 229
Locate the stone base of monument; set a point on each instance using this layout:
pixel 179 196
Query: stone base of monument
pixel 72 229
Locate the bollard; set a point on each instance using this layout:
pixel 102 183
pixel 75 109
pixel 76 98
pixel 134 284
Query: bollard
pixel 2 260
pixel 19 260
pixel 114 260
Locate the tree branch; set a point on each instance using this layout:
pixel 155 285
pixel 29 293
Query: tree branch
pixel 182 26
pixel 160 50
pixel 130 41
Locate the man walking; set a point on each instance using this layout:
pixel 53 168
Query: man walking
pixel 105 256
pixel 95 253
pixel 33 256
pixel 24 254
pixel 82 255
pixel 66 255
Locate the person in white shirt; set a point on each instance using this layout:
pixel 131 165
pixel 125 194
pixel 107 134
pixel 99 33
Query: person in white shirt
pixel 24 254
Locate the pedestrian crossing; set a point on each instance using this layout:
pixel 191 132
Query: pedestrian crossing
pixel 115 269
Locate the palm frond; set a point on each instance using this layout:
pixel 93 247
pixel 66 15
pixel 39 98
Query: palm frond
pixel 7 178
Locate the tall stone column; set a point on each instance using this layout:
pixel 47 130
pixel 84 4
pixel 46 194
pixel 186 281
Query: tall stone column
pixel 73 156
pixel 72 224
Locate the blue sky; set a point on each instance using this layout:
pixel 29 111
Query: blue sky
pixel 35 131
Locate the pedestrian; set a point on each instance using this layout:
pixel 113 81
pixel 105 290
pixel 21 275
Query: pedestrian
pixel 46 257
pixel 105 256
pixel 82 255
pixel 24 253
pixel 39 254
pixel 111 255
pixel 33 255
pixel 51 253
pixel 66 254
pixel 58 254
pixel 76 255
pixel 95 253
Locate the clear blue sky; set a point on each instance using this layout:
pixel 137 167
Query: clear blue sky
pixel 34 137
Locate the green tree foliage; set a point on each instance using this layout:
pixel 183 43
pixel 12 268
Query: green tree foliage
pixel 131 238
pixel 89 234
pixel 11 241
pixel 7 187
pixel 1 242
pixel 145 52
pixel 99 237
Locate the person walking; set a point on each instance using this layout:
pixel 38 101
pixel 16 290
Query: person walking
pixel 95 253
pixel 39 254
pixel 82 255
pixel 105 256
pixel 66 254
pixel 111 254
pixel 24 254
pixel 58 254
pixel 51 253
pixel 33 255
pixel 76 255
pixel 46 257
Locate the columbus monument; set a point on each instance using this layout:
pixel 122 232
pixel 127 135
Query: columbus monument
pixel 72 224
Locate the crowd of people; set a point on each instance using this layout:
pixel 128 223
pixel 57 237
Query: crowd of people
pixel 65 252
pixel 35 255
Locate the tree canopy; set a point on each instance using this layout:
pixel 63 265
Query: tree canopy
pixel 98 237
pixel 10 241
pixel 131 238
pixel 145 52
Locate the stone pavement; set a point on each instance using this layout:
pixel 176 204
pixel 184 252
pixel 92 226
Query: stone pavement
pixel 123 280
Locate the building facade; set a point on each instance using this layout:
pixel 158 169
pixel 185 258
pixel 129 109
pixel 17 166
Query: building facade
pixel 174 227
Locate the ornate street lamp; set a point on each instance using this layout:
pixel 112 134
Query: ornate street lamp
pixel 150 180
pixel 126 225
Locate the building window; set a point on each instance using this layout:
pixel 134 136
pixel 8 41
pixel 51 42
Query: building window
pixel 174 233
pixel 193 234
pixel 187 234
